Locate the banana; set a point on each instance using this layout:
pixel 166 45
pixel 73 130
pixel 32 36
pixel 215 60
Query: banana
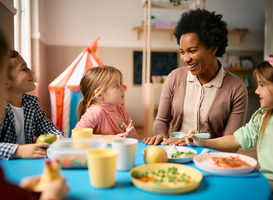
pixel 51 172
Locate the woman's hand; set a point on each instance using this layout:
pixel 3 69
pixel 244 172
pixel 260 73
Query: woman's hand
pixel 155 140
pixel 193 140
pixel 174 141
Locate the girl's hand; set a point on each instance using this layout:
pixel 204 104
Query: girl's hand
pixel 129 128
pixel 194 141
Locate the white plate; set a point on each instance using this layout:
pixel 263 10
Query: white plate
pixel 205 162
pixel 182 158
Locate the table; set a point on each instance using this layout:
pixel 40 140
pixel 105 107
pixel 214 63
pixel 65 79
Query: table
pixel 211 187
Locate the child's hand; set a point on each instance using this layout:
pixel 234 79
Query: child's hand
pixel 193 140
pixel 59 137
pixel 31 150
pixel 129 127
pixel 56 190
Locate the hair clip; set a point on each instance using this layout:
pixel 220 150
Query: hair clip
pixel 269 59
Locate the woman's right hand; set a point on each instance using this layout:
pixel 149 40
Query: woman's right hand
pixel 155 140
pixel 193 140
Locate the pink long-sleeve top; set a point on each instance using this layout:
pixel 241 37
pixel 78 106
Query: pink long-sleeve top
pixel 105 119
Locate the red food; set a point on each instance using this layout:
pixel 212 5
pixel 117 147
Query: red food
pixel 230 162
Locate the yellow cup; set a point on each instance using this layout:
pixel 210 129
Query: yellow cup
pixel 102 167
pixel 82 133
pixel 79 133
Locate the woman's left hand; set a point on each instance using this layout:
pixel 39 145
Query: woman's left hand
pixel 174 141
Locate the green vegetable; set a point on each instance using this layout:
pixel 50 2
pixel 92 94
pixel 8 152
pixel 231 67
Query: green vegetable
pixel 171 175
pixel 187 154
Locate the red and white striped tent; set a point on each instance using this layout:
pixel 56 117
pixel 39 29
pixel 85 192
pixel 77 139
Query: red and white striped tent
pixel 64 90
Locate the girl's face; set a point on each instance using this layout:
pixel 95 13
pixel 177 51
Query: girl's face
pixel 194 54
pixel 114 94
pixel 265 92
pixel 21 77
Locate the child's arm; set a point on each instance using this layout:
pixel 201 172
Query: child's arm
pixel 31 150
pixel 225 143
pixel 9 150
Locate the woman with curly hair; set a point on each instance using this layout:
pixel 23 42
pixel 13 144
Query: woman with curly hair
pixel 202 96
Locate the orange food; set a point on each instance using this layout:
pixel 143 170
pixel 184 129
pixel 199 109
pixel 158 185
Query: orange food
pixel 230 162
pixel 67 162
pixel 146 179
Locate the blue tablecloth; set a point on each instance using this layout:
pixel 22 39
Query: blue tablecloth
pixel 211 187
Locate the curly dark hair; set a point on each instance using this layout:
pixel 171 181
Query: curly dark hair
pixel 209 27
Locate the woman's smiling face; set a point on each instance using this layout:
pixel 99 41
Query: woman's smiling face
pixel 194 54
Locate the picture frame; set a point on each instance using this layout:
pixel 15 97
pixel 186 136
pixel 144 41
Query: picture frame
pixel 246 61
pixel 162 63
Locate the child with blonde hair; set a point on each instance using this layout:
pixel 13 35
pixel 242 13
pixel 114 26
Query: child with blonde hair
pixel 24 120
pixel 258 131
pixel 100 108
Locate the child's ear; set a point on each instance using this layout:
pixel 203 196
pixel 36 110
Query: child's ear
pixel 99 96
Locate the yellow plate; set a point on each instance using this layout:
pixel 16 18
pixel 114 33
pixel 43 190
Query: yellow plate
pixel 168 188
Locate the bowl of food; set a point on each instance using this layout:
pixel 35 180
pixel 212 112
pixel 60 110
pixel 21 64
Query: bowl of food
pixel 73 156
pixel 166 178
pixel 177 154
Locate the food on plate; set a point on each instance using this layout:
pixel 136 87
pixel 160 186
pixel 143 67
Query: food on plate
pixel 51 172
pixel 230 162
pixel 47 138
pixel 162 178
pixel 155 154
pixel 187 154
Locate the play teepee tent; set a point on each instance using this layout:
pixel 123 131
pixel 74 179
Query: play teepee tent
pixel 64 90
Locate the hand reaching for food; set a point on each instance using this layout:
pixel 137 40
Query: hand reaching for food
pixel 51 172
pixel 193 140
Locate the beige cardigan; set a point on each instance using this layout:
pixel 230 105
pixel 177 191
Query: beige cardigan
pixel 226 114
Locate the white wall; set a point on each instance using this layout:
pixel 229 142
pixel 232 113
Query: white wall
pixel 77 23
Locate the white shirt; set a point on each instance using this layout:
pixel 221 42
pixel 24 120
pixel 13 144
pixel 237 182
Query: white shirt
pixel 198 99
pixel 18 113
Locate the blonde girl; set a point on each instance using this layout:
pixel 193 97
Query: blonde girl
pixel 100 108
pixel 258 131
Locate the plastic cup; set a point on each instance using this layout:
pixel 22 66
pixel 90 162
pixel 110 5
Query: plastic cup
pixel 127 153
pixel 102 167
pixel 82 133
pixel 79 133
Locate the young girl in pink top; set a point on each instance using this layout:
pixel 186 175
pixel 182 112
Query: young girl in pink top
pixel 100 107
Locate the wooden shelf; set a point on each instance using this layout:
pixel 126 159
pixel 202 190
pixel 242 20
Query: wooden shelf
pixel 190 5
pixel 239 33
pixel 139 30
